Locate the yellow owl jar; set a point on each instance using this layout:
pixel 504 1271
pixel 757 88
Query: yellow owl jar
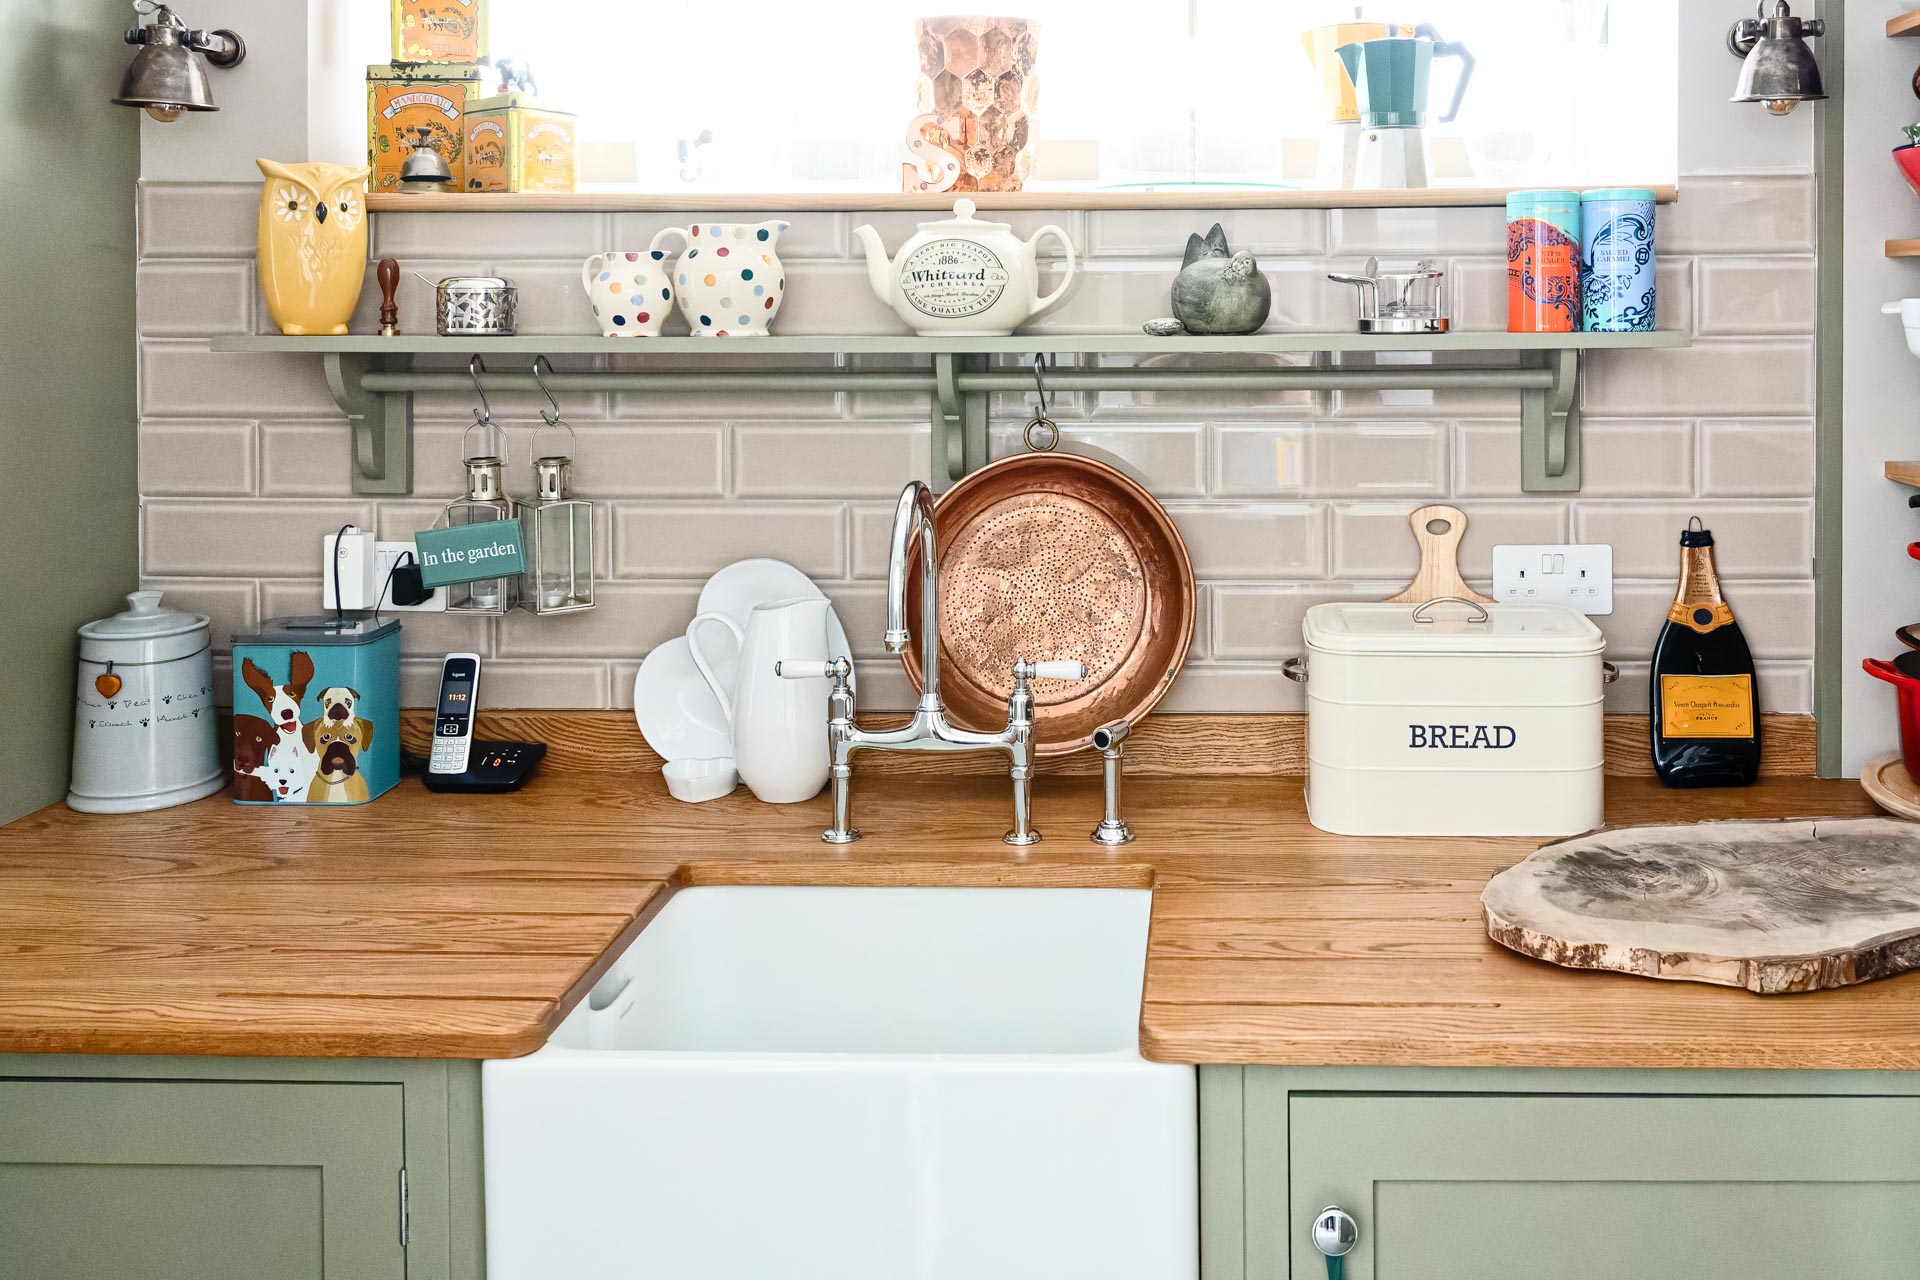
pixel 313 244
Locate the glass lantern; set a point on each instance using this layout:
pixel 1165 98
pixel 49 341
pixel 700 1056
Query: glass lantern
pixel 559 541
pixel 486 500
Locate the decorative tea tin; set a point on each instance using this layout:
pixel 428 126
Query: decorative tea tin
pixel 439 30
pixel 1543 262
pixel 404 100
pixel 316 711
pixel 1617 260
pixel 475 306
pixel 513 144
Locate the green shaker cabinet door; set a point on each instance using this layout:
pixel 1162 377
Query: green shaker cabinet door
pixel 1510 1187
pixel 173 1180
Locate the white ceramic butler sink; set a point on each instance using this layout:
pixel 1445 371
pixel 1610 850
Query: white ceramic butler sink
pixel 856 1084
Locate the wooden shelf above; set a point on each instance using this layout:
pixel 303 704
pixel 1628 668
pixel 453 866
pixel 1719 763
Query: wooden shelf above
pixel 1904 472
pixel 1903 248
pixel 1906 24
pixel 870 201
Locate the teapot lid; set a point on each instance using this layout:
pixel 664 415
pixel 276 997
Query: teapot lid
pixel 146 620
pixel 963 218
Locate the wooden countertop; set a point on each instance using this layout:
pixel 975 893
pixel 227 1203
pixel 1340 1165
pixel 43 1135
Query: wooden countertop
pixel 433 926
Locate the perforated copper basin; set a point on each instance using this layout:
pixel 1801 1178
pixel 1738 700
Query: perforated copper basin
pixel 1046 556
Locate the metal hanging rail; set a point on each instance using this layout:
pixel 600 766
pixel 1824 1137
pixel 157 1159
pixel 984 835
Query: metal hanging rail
pixel 374 382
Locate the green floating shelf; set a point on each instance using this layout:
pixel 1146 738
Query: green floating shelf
pixel 374 378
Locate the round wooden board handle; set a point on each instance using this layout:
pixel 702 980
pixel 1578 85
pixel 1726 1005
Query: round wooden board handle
pixel 1439 573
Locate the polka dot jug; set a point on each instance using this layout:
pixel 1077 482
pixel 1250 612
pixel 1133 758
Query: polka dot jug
pixel 728 277
pixel 631 293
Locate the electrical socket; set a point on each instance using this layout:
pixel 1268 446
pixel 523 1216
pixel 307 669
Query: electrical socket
pixel 1576 575
pixel 364 577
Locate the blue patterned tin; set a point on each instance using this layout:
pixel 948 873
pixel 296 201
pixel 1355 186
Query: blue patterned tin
pixel 1617 260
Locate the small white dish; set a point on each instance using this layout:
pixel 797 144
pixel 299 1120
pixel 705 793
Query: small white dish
pixel 697 781
pixel 676 711
pixel 736 589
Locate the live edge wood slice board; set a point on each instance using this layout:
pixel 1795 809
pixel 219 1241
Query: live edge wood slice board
pixel 1775 907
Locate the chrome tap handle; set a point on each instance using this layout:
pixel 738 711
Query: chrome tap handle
pixel 840 713
pixel 1020 738
pixel 1335 1234
pixel 1110 741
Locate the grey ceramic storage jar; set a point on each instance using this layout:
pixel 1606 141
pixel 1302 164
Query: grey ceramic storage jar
pixel 144 725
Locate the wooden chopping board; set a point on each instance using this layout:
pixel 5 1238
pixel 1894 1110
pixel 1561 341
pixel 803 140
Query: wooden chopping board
pixel 1800 905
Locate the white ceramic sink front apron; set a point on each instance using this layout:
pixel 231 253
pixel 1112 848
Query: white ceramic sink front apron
pixel 852 1084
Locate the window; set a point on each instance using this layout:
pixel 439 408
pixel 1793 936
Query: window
pixel 772 96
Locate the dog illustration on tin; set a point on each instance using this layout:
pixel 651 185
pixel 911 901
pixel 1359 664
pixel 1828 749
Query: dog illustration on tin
pixel 288 765
pixel 336 739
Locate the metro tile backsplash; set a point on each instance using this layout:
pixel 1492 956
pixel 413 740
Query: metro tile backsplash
pixel 1287 499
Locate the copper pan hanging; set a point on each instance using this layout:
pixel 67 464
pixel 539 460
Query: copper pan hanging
pixel 1045 556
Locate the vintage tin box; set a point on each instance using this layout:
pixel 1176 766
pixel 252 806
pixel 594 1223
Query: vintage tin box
pixel 1453 719
pixel 402 100
pixel 439 30
pixel 316 711
pixel 515 144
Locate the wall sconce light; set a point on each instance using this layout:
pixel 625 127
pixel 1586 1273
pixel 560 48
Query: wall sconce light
pixel 1777 69
pixel 166 76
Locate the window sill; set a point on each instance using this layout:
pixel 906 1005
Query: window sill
pixel 866 201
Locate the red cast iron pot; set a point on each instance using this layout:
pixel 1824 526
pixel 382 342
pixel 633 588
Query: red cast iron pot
pixel 1903 673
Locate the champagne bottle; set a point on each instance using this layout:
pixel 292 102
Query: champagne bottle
pixel 1706 723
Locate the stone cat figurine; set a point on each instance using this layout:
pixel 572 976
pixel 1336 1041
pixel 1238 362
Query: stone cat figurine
pixel 1217 290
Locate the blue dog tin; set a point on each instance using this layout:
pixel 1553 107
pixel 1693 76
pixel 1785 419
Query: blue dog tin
pixel 1617 260
pixel 316 711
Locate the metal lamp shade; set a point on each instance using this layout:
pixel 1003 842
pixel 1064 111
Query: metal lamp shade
pixel 1779 70
pixel 166 73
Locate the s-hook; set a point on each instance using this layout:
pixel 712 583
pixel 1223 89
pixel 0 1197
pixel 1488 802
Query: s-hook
pixel 540 364
pixel 482 412
pixel 1041 426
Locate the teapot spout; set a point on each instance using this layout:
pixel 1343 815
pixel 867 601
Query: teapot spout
pixel 879 273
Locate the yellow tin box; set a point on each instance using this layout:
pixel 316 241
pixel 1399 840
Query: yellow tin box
pixel 439 30
pixel 403 100
pixel 515 145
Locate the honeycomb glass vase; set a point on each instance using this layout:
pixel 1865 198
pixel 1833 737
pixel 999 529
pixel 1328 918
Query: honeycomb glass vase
pixel 977 83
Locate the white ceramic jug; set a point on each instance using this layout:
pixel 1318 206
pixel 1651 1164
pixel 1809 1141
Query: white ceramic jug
pixel 729 276
pixel 779 726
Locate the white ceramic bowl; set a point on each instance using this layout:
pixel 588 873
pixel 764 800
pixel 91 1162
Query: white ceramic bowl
pixel 697 780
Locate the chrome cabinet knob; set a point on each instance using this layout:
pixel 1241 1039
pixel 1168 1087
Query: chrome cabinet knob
pixel 1335 1234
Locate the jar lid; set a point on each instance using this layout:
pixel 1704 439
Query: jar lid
pixel 474 284
pixel 1529 199
pixel 1617 193
pixel 1450 627
pixel 146 620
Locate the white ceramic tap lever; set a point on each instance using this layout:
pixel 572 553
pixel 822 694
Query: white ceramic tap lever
pixel 1065 669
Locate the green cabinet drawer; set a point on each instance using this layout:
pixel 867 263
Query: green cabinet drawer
pixel 1489 1186
pixel 200 1180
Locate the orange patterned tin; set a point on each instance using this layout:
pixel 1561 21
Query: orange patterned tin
pixel 515 145
pixel 403 100
pixel 439 30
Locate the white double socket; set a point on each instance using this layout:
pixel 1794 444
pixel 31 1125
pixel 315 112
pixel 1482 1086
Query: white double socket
pixel 363 566
pixel 1575 575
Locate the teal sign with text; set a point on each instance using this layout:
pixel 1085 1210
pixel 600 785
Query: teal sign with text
pixel 470 552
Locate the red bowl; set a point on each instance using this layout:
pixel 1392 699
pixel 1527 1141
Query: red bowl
pixel 1908 158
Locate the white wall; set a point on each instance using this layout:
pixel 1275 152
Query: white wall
pixel 1881 586
pixel 263 108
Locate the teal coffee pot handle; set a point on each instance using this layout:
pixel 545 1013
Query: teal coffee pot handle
pixel 1451 49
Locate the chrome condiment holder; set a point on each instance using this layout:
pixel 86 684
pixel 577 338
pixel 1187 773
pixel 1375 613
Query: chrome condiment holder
pixel 1400 301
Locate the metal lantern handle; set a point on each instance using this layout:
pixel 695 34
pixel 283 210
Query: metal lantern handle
pixel 548 419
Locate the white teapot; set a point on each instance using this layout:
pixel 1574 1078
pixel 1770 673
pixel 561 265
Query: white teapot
pixel 962 276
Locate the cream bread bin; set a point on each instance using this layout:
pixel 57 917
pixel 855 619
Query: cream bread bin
pixel 1453 719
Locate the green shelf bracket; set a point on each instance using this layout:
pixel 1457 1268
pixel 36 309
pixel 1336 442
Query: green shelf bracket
pixel 1550 426
pixel 381 423
pixel 959 421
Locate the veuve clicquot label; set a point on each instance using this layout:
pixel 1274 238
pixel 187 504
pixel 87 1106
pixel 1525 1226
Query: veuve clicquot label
pixel 1707 706
pixel 1706 729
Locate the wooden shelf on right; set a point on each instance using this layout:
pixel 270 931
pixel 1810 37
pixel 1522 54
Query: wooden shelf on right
pixel 1903 248
pixel 1906 24
pixel 1904 472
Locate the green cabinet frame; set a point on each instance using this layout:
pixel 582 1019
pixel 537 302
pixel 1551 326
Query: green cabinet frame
pixel 122 1168
pixel 1497 1174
